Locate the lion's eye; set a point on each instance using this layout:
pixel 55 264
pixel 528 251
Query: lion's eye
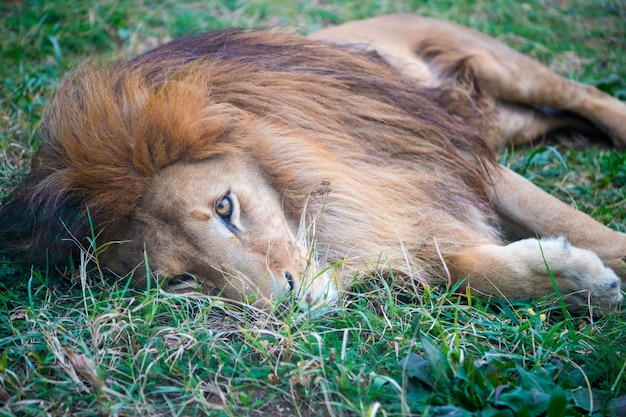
pixel 224 207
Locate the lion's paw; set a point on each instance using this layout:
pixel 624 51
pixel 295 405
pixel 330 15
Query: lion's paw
pixel 581 275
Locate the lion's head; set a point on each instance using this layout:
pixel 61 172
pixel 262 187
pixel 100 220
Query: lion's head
pixel 210 158
pixel 221 224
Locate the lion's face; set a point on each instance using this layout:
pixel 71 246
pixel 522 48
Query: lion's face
pixel 220 222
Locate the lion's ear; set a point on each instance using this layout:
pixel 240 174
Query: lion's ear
pixel 41 229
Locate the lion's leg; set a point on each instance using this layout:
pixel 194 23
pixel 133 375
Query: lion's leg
pixel 522 269
pixel 514 78
pixel 527 211
pixel 520 125
pixel 584 257
pixel 425 48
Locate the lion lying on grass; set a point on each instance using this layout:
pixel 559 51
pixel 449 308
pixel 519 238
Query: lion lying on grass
pixel 265 166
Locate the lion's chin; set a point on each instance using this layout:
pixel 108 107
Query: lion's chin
pixel 320 295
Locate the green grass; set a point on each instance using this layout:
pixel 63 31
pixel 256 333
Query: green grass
pixel 83 348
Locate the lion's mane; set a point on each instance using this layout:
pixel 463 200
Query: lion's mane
pixel 403 161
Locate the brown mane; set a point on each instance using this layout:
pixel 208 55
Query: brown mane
pixel 110 129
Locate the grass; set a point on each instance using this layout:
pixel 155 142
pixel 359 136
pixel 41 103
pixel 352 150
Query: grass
pixel 82 348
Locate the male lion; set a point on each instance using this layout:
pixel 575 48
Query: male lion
pixel 263 165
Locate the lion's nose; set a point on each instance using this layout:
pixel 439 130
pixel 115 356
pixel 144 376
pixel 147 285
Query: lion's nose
pixel 290 281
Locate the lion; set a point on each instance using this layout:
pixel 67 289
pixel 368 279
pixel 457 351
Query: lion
pixel 271 167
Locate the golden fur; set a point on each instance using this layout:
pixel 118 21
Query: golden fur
pixel 323 156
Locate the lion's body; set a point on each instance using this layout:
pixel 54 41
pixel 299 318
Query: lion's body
pixel 317 156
